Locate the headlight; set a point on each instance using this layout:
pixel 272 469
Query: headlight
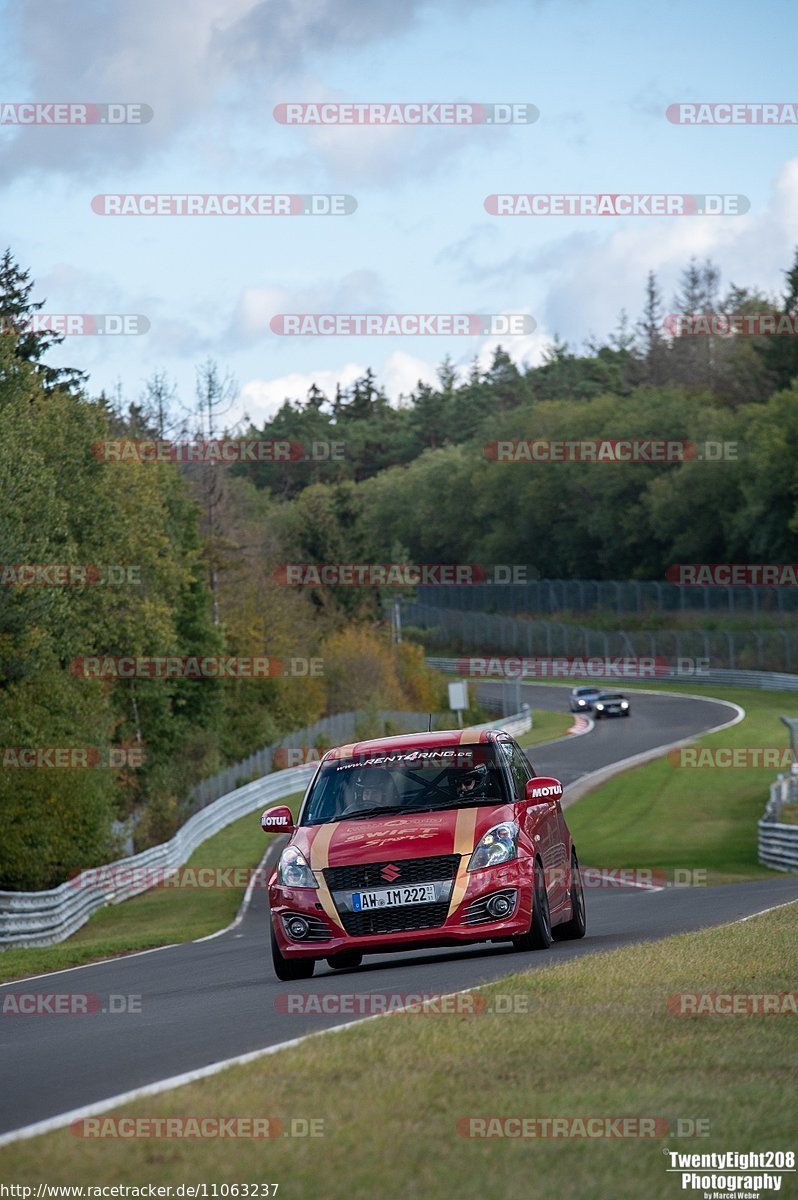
pixel 498 845
pixel 624 704
pixel 581 701
pixel 600 707
pixel 293 869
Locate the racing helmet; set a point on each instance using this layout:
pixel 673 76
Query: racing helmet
pixel 373 788
pixel 473 782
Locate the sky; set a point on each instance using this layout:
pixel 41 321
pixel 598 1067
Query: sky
pixel 600 72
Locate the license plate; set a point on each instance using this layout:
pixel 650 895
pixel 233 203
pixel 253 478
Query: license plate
pixel 392 897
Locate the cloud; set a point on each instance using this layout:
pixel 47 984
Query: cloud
pixel 358 292
pixel 586 276
pixel 185 60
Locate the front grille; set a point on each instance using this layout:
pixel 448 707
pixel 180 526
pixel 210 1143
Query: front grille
pixel 477 912
pixel 411 870
pixel 396 920
pixel 318 930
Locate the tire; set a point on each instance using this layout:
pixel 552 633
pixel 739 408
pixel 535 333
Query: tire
pixel 576 927
pixel 597 716
pixel 539 936
pixel 347 960
pixel 289 969
pixel 627 713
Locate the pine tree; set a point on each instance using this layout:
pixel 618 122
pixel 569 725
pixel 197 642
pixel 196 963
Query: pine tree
pixel 655 349
pixel 781 353
pixel 17 315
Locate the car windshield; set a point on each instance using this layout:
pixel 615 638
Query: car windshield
pixel 611 696
pixel 586 691
pixel 405 781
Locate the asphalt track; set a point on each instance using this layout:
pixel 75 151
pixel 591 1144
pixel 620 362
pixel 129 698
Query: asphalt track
pixel 205 1001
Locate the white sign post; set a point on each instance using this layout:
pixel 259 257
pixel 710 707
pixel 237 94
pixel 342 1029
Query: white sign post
pixel 458 700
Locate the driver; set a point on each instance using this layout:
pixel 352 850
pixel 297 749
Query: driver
pixel 471 784
pixel 373 788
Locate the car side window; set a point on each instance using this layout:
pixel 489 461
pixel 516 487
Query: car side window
pixel 519 768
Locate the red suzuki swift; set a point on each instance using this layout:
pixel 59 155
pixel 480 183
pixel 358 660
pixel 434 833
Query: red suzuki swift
pixel 429 839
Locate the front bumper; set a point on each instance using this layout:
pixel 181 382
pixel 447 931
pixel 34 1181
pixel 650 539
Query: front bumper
pixel 454 929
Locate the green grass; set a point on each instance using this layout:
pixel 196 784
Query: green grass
pixel 158 917
pixel 661 816
pixel 546 727
pixel 596 1039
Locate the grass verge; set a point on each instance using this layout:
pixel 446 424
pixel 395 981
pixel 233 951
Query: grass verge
pixel 546 727
pixel 590 1037
pixel 666 817
pixel 157 917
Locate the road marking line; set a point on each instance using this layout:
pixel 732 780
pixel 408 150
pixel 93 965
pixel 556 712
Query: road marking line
pixel 247 899
pixel 98 962
pixel 51 1124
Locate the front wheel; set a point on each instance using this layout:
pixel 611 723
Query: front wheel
pixel 575 928
pixel 539 936
pixel 289 969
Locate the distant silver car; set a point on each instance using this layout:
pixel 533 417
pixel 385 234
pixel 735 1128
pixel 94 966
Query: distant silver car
pixel 583 698
pixel 610 704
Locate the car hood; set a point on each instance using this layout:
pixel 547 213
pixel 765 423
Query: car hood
pixel 418 835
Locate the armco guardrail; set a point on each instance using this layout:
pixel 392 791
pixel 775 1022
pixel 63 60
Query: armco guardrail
pixel 327 731
pixel 778 843
pixel 44 918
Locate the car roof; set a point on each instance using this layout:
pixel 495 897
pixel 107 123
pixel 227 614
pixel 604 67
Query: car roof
pixel 439 740
pixel 590 688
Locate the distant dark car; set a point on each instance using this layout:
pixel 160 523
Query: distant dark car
pixel 583 698
pixel 610 704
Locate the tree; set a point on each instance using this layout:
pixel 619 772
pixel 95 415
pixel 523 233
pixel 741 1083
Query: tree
pixel 18 321
pixel 655 347
pixel 781 353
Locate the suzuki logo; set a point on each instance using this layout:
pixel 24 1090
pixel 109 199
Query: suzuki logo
pixel 390 872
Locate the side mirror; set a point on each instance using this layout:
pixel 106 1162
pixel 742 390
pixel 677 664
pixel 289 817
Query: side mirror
pixel 277 820
pixel 543 788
